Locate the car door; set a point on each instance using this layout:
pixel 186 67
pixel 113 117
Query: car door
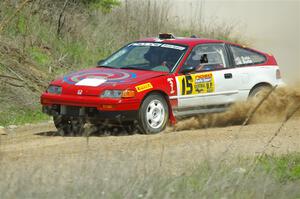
pixel 214 81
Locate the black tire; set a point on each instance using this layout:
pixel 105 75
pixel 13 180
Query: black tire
pixel 259 92
pixel 153 114
pixel 130 127
pixel 68 126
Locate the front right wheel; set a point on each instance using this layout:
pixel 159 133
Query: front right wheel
pixel 153 114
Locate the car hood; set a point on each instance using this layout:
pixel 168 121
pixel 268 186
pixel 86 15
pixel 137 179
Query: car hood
pixel 92 81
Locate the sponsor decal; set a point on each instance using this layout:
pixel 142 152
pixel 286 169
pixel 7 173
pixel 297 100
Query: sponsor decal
pixel 146 44
pixel 181 48
pixel 243 60
pixel 143 87
pixel 91 82
pixel 202 78
pixel 79 92
pixel 196 83
pixel 173 47
pixel 171 82
pixel 110 76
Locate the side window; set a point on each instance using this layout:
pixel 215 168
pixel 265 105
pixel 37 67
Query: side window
pixel 244 57
pixel 206 57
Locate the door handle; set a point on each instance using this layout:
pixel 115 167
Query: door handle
pixel 228 75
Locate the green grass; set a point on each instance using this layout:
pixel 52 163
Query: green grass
pixel 19 117
pixel 40 57
pixel 271 177
pixel 284 168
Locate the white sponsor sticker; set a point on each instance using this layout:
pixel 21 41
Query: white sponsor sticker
pixel 159 45
pixel 146 44
pixel 173 47
pixel 91 82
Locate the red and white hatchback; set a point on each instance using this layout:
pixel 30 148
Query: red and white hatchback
pixel 156 80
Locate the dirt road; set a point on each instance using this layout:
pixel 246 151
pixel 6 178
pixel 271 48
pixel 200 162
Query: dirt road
pixel 33 162
pixel 173 149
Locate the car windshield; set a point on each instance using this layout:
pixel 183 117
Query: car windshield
pixel 146 56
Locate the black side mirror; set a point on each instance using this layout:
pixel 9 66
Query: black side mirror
pixel 99 63
pixel 188 69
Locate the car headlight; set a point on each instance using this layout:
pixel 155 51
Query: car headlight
pixel 111 94
pixel 118 94
pixel 54 89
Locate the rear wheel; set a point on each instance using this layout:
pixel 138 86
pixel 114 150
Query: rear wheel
pixel 69 126
pixel 153 114
pixel 259 92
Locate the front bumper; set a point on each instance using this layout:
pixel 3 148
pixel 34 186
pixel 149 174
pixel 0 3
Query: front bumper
pixel 90 107
pixel 107 104
pixel 90 113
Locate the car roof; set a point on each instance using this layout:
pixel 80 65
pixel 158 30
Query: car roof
pixel 187 41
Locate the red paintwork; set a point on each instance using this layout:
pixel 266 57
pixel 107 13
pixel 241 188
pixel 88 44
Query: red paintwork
pixel 90 96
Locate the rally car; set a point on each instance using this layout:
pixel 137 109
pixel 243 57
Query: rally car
pixel 153 81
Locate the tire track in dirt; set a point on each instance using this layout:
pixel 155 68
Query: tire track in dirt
pixel 36 143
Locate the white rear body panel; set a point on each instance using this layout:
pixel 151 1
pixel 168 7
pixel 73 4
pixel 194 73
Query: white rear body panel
pixel 222 87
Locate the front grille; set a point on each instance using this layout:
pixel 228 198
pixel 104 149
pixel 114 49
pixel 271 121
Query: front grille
pixel 90 113
pixel 72 110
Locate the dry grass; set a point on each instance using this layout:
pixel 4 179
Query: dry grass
pixel 132 176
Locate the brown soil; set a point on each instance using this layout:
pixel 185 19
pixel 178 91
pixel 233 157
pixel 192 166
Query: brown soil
pixel 174 150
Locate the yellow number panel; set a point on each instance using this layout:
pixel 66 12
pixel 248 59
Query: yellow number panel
pixel 196 83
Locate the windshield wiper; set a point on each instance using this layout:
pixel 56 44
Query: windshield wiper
pixel 133 68
pixel 106 66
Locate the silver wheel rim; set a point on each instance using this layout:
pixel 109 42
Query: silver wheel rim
pixel 260 94
pixel 155 114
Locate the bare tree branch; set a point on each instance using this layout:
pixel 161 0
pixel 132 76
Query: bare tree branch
pixel 14 85
pixel 10 77
pixel 61 20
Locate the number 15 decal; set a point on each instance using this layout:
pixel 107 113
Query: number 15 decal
pixel 198 83
pixel 187 85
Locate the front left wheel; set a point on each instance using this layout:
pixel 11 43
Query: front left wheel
pixel 153 114
pixel 68 126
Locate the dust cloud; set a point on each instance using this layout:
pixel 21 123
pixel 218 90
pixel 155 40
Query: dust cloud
pixel 272 26
pixel 281 103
